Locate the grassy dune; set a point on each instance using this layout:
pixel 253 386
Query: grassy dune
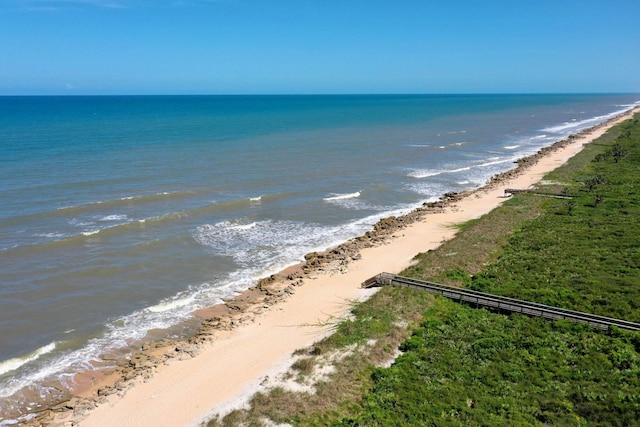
pixel 462 366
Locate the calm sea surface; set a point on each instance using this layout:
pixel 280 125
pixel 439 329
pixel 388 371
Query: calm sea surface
pixel 120 215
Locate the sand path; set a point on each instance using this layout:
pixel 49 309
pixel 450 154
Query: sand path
pixel 228 370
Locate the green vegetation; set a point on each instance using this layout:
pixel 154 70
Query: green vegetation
pixel 368 339
pixel 473 367
pixel 461 366
pixel 588 260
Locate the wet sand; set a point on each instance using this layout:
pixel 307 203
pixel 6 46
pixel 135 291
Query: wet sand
pixel 252 337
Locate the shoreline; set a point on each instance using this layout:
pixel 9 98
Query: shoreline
pixel 182 382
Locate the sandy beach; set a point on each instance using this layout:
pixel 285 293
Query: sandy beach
pixel 258 341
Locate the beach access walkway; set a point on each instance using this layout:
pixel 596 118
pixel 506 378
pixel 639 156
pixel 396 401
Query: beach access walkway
pixel 501 304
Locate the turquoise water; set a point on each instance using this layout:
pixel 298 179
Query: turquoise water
pixel 124 214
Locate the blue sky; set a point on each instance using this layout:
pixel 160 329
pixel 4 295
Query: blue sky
pixel 318 46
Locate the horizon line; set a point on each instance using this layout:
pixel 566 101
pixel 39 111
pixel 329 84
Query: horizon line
pixel 71 95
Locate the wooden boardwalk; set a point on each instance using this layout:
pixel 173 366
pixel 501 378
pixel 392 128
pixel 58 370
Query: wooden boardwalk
pixel 503 304
pixel 514 191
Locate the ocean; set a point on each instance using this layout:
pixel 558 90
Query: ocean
pixel 121 215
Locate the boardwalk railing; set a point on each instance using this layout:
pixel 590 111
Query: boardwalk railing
pixel 514 191
pixel 496 302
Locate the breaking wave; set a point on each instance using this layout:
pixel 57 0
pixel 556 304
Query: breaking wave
pixel 16 362
pixel 345 196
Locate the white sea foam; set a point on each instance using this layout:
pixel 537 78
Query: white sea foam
pixel 483 172
pixel 171 304
pixel 90 233
pixel 428 190
pixel 80 223
pixel 51 235
pixel 335 197
pixel 171 215
pixel 254 243
pixel 425 173
pixel 114 217
pixel 227 226
pixel 432 190
pixel 14 363
pixel 495 161
pixel 576 125
pixel 511 147
pixel 243 226
pixel 274 244
pixel 442 147
pixel 120 333
pixel 255 199
pixel 352 201
pixel 466 168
